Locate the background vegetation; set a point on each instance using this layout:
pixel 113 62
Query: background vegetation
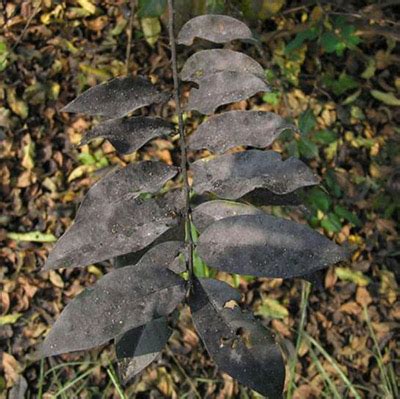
pixel 335 71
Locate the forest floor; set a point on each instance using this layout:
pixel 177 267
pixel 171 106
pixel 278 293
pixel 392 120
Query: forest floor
pixel 335 72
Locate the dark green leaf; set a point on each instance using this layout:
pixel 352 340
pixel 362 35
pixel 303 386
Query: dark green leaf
pixel 307 122
pixel 236 128
pixel 307 148
pixel 129 134
pixel 325 136
pixel 139 347
pixel 266 246
pixel 319 199
pixel 224 88
pixel 237 342
pixel 114 220
pixel 207 62
pixel 332 183
pixel 231 176
pixel 347 215
pixel 331 223
pixel 123 299
pixel 331 43
pixel 164 253
pixel 116 98
pixel 341 85
pixel 214 28
pixel 298 41
pixel 346 31
pixel 293 149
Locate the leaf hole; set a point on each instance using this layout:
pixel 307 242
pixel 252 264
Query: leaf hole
pixel 245 335
pixel 230 304
pixel 223 341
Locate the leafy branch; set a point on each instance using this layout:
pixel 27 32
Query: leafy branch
pixel 129 215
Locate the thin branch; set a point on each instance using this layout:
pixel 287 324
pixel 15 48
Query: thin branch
pixel 129 34
pixel 184 169
pixel 28 23
pixel 365 29
pixel 363 17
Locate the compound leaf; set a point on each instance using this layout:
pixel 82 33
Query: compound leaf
pixel 231 176
pixel 211 211
pixel 235 128
pixel 140 346
pixel 240 346
pixel 129 134
pixel 123 299
pixel 224 88
pixel 266 246
pixel 214 28
pixel 114 229
pixel 208 62
pixel 116 98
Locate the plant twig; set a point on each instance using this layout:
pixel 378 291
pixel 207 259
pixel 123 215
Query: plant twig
pixel 182 142
pixel 26 27
pixel 129 34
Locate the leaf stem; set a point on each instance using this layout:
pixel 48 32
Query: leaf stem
pixel 182 142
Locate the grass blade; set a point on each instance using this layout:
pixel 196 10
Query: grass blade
pixel 113 377
pixel 305 292
pixel 334 364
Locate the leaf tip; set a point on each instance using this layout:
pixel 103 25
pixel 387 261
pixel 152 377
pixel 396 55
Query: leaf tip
pixel 53 263
pixel 68 108
pixel 46 267
pixel 84 140
pixel 346 250
pixel 46 348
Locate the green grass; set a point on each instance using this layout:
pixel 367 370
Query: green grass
pixel 305 292
pixel 52 381
pixel 115 381
pixel 313 344
pixel 389 382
